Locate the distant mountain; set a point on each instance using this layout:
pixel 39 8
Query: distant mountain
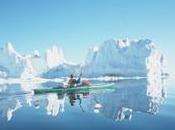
pixel 62 70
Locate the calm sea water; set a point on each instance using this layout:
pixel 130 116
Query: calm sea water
pixel 131 105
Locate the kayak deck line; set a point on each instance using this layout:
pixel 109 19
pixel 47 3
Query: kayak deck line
pixel 89 87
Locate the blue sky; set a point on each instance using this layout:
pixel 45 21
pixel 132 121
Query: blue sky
pixel 76 25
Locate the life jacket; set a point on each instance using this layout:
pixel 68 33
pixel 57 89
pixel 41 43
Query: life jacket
pixel 85 83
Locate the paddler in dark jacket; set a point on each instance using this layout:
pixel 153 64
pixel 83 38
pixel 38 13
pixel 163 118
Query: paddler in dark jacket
pixel 72 81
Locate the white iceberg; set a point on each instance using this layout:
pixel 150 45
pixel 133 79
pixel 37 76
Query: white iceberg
pixel 124 58
pixel 117 58
pixel 54 57
pixel 15 65
pixel 12 64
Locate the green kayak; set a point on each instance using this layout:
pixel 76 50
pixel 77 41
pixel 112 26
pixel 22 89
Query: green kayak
pixel 78 88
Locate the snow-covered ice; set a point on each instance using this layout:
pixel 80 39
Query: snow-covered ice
pixel 54 57
pixel 113 58
pixel 124 58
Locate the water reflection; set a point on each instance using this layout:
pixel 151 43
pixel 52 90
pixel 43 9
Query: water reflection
pixel 9 107
pixel 55 104
pixel 131 96
pixel 128 97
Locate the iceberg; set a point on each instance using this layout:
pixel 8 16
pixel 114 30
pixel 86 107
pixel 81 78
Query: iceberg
pixel 12 64
pixel 124 58
pixel 15 65
pixel 113 58
pixel 54 57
